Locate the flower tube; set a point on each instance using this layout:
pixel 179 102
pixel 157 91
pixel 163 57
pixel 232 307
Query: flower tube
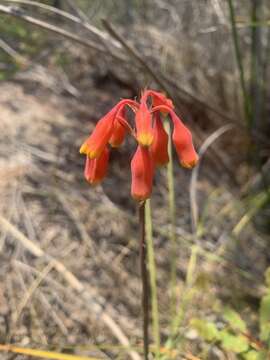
pixel 96 169
pixel 159 147
pixel 183 144
pixel 142 172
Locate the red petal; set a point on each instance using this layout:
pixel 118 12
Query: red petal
pixel 100 136
pixel 159 148
pixel 144 129
pixel 96 169
pixel 119 130
pixel 182 140
pixel 142 171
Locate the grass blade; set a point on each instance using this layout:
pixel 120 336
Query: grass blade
pixel 43 354
pixel 153 276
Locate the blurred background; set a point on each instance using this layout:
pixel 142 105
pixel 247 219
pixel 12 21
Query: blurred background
pixel 69 253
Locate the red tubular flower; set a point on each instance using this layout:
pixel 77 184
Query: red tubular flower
pixel 159 147
pixel 182 140
pixel 119 130
pixel 151 137
pixel 96 169
pixel 97 141
pixel 103 131
pixel 143 121
pixel 142 171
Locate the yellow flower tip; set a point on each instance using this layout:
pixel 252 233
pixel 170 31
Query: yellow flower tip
pixel 190 164
pixel 145 139
pixel 92 154
pixel 84 149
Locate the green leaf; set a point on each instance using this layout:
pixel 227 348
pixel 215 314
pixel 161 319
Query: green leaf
pixel 234 343
pixel 234 320
pixel 251 355
pixel 256 355
pixel 265 318
pixel 207 330
pixel 262 355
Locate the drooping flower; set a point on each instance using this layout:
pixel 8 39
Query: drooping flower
pixel 103 131
pixel 119 129
pixel 152 140
pixel 182 140
pixel 143 120
pixel 142 172
pixel 97 141
pixel 96 169
pixel 159 147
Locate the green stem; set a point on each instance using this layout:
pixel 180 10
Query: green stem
pixel 239 63
pixel 171 198
pixel 144 275
pixel 153 276
pixel 256 67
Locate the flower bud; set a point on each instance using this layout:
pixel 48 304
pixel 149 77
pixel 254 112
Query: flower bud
pixel 96 169
pixel 142 172
pixel 119 129
pixel 97 141
pixel 182 140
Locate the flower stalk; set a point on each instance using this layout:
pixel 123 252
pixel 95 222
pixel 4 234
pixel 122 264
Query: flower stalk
pixel 171 197
pixel 144 276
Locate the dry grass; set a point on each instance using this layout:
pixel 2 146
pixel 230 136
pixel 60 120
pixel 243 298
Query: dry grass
pixel 92 232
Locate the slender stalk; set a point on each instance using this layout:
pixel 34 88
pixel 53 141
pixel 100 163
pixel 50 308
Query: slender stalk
pixel 192 265
pixel 239 63
pixel 256 66
pixel 144 275
pixel 153 277
pixel 171 200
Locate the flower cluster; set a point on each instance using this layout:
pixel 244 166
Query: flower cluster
pixel 151 138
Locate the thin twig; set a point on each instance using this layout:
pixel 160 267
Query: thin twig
pixel 9 10
pixel 18 58
pixel 64 14
pixel 135 54
pixel 195 173
pixel 31 290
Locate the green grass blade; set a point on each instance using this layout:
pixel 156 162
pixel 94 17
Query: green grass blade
pixel 153 276
pixel 172 214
